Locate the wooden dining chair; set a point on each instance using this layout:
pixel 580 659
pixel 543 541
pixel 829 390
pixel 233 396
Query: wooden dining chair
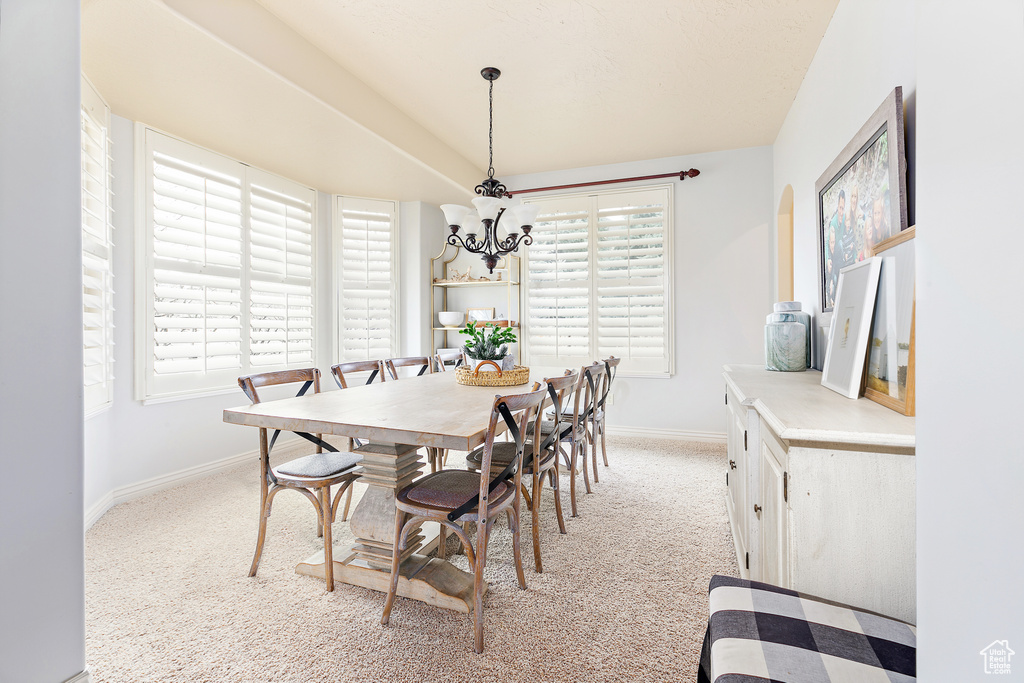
pixel 543 466
pixel 424 364
pixel 454 497
pixel 576 430
pixel 611 365
pixel 312 475
pixel 453 356
pixel 435 456
pixel 595 379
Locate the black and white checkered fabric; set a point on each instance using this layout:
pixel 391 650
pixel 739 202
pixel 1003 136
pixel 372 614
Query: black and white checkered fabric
pixel 758 632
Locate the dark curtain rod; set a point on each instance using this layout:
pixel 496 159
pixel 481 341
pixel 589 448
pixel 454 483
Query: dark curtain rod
pixel 682 175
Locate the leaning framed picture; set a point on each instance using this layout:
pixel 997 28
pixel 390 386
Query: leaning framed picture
pixel 851 327
pixel 890 373
pixel 861 197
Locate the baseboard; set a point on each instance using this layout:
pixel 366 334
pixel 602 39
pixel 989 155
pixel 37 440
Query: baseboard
pixel 96 511
pixel 674 434
pixel 166 481
pixel 84 677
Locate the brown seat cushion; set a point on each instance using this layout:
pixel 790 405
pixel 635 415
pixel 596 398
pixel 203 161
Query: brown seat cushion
pixel 319 465
pixel 448 489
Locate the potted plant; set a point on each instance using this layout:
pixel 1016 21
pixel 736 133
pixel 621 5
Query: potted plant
pixel 488 343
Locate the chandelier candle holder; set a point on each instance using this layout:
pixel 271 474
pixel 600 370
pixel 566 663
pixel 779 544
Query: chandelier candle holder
pixel 494 207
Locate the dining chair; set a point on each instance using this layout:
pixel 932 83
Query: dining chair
pixel 575 430
pixel 454 497
pixel 311 475
pixel 435 456
pixel 595 379
pixel 423 362
pixel 453 356
pixel 611 365
pixel 375 368
pixel 543 466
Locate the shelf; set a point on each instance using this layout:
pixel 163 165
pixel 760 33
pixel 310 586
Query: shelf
pixel 474 284
pixel 456 329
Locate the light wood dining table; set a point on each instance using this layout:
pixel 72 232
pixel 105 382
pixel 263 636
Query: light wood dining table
pixel 397 418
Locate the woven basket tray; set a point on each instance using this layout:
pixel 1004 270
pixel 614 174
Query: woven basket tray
pixel 520 374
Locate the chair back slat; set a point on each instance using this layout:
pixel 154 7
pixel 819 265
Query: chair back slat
pixel 249 383
pixel 374 367
pixel 424 363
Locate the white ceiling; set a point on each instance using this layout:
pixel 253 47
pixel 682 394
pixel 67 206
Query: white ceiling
pixel 384 98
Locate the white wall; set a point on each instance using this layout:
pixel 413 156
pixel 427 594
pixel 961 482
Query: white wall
pixel 42 613
pixel 721 243
pixel 867 51
pixel 420 239
pixel 970 471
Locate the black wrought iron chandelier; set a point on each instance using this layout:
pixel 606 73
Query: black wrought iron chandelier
pixel 494 206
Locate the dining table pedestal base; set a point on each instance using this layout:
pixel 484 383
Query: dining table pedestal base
pixel 386 469
pixel 427 579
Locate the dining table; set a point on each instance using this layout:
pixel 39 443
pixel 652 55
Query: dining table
pixel 397 419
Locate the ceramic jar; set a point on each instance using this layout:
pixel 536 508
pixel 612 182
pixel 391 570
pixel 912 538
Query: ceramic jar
pixel 787 338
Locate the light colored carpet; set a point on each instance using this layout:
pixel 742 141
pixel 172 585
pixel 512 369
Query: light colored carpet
pixel 623 596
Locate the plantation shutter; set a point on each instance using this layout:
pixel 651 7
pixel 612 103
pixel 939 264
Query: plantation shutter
pixel 631 288
pixel 230 283
pixel 598 281
pixel 365 239
pixel 281 274
pixel 97 246
pixel 559 283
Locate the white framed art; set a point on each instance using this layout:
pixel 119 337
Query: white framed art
pixel 847 347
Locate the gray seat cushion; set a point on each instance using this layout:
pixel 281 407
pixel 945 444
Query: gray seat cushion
pixel 319 465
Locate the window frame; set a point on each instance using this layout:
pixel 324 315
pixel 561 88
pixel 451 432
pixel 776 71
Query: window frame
pixel 592 197
pixel 338 274
pixel 148 387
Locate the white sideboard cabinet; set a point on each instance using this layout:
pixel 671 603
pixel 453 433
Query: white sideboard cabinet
pixel 821 490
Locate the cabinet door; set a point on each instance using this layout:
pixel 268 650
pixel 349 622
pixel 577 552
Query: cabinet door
pixel 737 479
pixel 774 515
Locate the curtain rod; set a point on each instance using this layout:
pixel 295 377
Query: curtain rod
pixel 682 175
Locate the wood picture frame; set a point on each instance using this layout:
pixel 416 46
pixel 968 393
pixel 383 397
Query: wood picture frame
pixel 477 314
pixel 891 366
pixel 862 196
pixel 847 348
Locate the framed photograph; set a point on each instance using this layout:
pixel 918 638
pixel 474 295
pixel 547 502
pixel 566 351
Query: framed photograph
pixel 861 197
pixel 851 327
pixel 475 314
pixel 890 373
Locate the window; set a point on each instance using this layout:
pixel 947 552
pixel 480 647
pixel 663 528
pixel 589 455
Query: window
pixel 599 281
pixel 228 284
pixel 97 246
pixel 365 242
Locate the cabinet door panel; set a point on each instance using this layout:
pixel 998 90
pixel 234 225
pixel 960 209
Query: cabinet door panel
pixel 774 541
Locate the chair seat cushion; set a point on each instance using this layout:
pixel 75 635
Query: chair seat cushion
pixel 448 489
pixel 319 465
pixel 502 454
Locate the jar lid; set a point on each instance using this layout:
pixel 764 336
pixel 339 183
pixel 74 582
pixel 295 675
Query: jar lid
pixel 787 306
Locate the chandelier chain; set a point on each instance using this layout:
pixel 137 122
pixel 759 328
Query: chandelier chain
pixel 490 131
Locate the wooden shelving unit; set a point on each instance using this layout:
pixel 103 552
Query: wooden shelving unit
pixel 484 294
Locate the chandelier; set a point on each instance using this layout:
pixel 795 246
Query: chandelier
pixel 494 207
